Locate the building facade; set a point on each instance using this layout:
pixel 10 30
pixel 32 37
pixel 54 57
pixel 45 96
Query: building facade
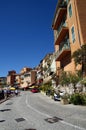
pixel 69 25
pixel 11 78
pixel 27 77
pixel 3 81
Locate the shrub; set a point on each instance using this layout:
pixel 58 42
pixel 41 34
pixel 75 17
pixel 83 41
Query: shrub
pixel 83 81
pixel 47 88
pixel 78 99
pixel 67 78
pixel 64 78
pixel 84 99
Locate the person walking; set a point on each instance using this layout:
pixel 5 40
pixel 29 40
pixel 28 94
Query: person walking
pixel 5 93
pixel 16 92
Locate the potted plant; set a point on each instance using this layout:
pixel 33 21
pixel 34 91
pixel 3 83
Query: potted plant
pixel 65 99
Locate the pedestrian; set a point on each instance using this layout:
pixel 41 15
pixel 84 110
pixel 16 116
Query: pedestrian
pixel 1 94
pixel 5 93
pixel 16 92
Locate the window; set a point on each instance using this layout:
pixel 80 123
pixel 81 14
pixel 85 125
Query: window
pixel 67 1
pixel 73 34
pixel 70 10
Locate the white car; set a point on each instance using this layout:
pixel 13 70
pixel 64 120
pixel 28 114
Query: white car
pixel 62 93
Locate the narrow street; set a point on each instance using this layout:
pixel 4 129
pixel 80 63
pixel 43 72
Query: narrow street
pixel 34 111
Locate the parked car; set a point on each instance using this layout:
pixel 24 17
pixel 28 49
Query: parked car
pixel 56 97
pixel 62 93
pixel 35 90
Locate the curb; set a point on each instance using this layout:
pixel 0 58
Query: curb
pixel 3 100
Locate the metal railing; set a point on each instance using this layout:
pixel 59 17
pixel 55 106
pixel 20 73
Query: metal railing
pixel 62 25
pixel 63 4
pixel 65 46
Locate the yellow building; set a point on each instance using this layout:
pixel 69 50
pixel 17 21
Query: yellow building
pixel 69 26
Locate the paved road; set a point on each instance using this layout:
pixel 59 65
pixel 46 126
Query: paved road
pixel 31 111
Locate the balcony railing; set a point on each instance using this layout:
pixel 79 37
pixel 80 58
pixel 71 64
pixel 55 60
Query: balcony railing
pixel 64 48
pixel 62 25
pixel 63 4
pixel 60 12
pixel 60 33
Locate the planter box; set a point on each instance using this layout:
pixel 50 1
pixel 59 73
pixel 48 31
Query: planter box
pixel 64 101
pixel 43 93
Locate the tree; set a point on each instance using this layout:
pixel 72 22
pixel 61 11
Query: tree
pixel 80 58
pixel 68 78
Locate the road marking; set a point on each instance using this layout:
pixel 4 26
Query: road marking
pixel 61 121
pixel 28 105
pixel 75 126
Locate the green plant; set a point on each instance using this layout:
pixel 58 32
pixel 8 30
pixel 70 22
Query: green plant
pixel 78 99
pixel 84 99
pixel 79 73
pixel 79 57
pixel 83 81
pixel 52 92
pixel 67 77
pixel 47 88
pixel 65 99
pixel 74 78
pixel 65 96
pixel 63 79
pixel 75 99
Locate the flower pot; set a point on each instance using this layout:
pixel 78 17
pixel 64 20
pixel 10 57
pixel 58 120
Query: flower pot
pixel 64 101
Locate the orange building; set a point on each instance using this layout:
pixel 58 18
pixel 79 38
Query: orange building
pixel 69 26
pixel 11 77
pixel 27 77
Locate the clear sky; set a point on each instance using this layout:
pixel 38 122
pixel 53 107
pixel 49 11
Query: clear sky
pixel 26 34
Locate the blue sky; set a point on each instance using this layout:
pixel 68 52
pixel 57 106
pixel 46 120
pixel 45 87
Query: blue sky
pixel 26 35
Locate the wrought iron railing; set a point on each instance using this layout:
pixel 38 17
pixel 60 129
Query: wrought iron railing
pixel 64 47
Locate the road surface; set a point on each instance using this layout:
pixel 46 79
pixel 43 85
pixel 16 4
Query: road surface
pixel 34 111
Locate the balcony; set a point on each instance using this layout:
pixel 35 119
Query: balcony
pixel 27 75
pixel 63 50
pixel 61 32
pixel 50 71
pixel 22 78
pixel 60 13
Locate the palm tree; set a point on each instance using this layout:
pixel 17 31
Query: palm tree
pixel 80 58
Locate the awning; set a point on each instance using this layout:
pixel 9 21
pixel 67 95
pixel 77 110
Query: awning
pixel 12 88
